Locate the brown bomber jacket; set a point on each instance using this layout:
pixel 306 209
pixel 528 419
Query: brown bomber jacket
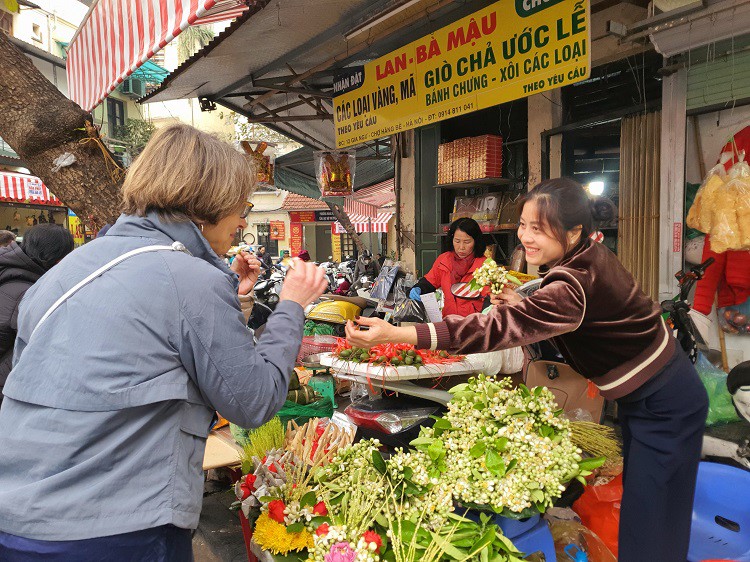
pixel 590 306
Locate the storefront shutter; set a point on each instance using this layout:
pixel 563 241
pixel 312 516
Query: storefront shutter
pixel 723 80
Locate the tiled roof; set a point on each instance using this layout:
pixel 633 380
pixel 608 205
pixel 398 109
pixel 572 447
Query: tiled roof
pixel 295 202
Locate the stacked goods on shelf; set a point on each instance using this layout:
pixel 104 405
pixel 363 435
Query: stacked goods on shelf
pixel 470 158
pixel 486 157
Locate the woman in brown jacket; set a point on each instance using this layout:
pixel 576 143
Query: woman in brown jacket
pixel 590 306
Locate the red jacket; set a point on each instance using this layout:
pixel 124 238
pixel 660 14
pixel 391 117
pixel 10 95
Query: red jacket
pixel 730 272
pixel 440 277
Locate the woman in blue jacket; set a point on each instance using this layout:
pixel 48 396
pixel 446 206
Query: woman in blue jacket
pixel 124 352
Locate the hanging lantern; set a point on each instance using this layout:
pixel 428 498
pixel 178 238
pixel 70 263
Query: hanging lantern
pixel 264 156
pixel 335 172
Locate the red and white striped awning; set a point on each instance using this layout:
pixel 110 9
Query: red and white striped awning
pixel 354 207
pixel 118 36
pixel 362 223
pixel 22 188
pixel 223 10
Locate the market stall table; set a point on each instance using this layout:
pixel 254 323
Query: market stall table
pixel 221 450
pixel 398 379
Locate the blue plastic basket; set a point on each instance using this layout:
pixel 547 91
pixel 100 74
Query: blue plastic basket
pixel 721 514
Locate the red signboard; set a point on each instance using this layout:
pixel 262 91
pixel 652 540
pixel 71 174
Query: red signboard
pixel 302 216
pixel 296 238
pixel 278 232
pixel 677 237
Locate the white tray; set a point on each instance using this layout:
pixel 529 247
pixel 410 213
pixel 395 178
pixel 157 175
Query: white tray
pixel 471 365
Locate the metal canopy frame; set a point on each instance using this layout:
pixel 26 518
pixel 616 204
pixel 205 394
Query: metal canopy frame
pixel 285 98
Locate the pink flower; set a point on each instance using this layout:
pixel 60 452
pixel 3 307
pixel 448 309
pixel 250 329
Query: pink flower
pixel 322 530
pixel 341 552
pixel 276 511
pixel 320 509
pixel 372 536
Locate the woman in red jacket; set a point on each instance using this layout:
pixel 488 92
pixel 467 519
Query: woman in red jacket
pixel 453 270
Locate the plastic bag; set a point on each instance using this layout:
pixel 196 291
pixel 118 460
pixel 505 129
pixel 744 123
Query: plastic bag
pixel 735 319
pixel 720 407
pixel 599 510
pixel 572 537
pixel 406 309
pixel 385 280
pixel 335 172
pixel 722 207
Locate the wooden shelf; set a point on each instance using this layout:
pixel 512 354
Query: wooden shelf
pixel 483 182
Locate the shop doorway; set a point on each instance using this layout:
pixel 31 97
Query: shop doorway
pixel 264 239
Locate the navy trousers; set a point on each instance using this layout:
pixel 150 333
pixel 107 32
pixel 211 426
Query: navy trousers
pixel 662 429
pixel 160 544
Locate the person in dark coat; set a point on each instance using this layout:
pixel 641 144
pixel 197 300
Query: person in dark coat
pixel 43 246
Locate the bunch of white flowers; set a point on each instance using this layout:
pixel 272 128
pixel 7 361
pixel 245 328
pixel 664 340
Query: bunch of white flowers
pixel 492 275
pixel 505 449
pixel 342 543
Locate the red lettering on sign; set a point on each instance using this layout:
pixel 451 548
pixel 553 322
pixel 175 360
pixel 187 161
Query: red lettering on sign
pixel 677 237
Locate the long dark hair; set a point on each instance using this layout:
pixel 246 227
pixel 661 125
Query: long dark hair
pixel 563 205
pixel 470 227
pixel 47 244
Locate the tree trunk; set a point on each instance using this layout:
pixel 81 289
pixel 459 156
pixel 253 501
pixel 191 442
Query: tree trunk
pixel 41 124
pixel 344 221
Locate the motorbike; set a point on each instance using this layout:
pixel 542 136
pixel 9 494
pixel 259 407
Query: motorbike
pixel 268 288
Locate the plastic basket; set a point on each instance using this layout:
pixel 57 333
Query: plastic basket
pixel 312 345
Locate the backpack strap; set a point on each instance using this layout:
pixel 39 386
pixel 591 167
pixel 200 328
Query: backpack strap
pixel 175 247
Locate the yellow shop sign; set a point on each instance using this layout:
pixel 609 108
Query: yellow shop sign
pixel 506 51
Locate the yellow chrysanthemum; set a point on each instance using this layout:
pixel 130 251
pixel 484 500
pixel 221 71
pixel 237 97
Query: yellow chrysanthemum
pixel 273 537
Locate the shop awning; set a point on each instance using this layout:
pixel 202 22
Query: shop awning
pixel 22 188
pixel 118 36
pixel 362 223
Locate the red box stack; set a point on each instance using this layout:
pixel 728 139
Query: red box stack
pixel 486 160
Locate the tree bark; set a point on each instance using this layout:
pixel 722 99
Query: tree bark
pixel 344 221
pixel 41 124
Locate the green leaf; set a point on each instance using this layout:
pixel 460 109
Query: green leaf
pixel 501 443
pixel 512 411
pixel 480 406
pixel 537 495
pixel 448 548
pixel 266 499
pixel 318 520
pixel 441 423
pixel 581 479
pixel 538 391
pixel 421 442
pixel 378 462
pixel 336 500
pixel 408 472
pixel 540 507
pixel 558 412
pixel 407 530
pixel 436 449
pixel 308 500
pixel 381 520
pixel 486 539
pixel 295 528
pixel 591 464
pixel 495 463
pixel 513 279
pixel 484 556
pixel 458 388
pixel 478 449
pixel 511 465
pixel 525 392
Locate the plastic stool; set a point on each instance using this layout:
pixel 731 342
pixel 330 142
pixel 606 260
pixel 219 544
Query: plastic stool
pixel 539 538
